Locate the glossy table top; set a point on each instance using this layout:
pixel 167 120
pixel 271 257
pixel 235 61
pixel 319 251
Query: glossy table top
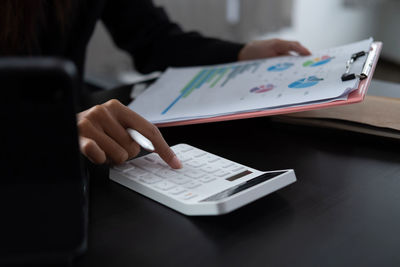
pixel 344 210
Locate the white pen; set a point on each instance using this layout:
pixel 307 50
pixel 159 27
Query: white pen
pixel 141 140
pixel 369 63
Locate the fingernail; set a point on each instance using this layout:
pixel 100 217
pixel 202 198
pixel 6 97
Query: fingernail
pixel 175 163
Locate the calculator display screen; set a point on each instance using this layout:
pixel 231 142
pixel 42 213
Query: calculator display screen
pixel 239 188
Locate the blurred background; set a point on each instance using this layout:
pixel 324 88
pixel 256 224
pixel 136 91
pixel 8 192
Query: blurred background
pixel 316 24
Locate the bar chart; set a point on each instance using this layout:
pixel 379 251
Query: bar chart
pixel 213 78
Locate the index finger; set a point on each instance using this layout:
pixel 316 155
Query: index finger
pixel 161 146
pixel 131 119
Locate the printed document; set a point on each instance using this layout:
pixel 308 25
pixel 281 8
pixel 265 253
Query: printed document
pixel 248 86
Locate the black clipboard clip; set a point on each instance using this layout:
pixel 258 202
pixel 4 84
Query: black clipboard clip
pixel 347 76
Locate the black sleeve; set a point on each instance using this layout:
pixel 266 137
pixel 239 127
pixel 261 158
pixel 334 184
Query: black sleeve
pixel 155 43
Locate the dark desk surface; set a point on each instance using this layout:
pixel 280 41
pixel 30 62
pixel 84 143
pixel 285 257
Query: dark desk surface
pixel 344 210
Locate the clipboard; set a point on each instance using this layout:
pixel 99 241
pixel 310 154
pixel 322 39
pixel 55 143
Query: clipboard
pixel 354 97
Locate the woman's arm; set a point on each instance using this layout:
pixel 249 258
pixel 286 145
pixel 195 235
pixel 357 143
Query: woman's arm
pixel 156 43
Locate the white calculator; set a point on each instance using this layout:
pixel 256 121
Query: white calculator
pixel 206 185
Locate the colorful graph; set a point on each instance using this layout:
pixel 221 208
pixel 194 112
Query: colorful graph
pixel 280 66
pixel 213 77
pixel 262 88
pixel 305 82
pixel 318 61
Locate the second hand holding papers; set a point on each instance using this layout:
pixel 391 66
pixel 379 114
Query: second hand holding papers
pixel 247 86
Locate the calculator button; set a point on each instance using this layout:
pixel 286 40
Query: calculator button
pixel 163 164
pixel 124 167
pixel 221 173
pixel 165 185
pixel 139 161
pixel 192 185
pixel 188 195
pixel 186 148
pixel 137 172
pixel 183 157
pixel 150 179
pixel 150 158
pixel 166 173
pixel 209 169
pixel 199 154
pixel 147 165
pixel 194 174
pixel 227 164
pixel 207 179
pixel 237 168
pixel 195 163
pixel 132 177
pixel 180 180
pixel 132 174
pixel 212 158
pixel 177 191
pixel 154 158
pixel 181 170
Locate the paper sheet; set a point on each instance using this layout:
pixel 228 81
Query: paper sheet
pixel 208 91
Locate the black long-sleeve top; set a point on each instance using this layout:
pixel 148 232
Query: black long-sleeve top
pixel 139 28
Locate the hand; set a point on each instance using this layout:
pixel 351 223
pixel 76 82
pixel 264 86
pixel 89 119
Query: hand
pixel 103 136
pixel 271 48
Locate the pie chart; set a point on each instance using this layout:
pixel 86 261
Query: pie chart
pixel 280 66
pixel 262 88
pixel 305 82
pixel 318 61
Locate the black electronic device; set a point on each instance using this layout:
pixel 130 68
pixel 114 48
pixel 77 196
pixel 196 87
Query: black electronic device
pixel 43 190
